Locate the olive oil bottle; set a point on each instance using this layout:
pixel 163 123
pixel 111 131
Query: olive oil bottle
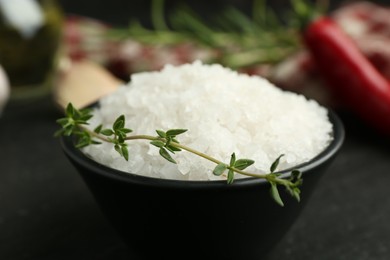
pixel 30 38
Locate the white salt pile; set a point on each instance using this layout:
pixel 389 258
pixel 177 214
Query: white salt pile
pixel 224 112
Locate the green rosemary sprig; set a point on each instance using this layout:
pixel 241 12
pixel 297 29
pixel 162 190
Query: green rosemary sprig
pixel 236 39
pixel 240 40
pixel 75 121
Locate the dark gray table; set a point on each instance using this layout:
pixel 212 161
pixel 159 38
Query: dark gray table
pixel 47 212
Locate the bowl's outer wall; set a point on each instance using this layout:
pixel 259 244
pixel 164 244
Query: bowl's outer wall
pixel 171 222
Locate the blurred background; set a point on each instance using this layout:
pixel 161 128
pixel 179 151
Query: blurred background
pixel 124 37
pixel 119 11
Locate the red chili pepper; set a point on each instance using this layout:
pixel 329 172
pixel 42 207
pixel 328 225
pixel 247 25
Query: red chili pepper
pixel 349 74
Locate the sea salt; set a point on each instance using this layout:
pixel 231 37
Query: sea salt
pixel 224 112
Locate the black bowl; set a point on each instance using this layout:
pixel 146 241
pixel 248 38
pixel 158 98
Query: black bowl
pixel 171 219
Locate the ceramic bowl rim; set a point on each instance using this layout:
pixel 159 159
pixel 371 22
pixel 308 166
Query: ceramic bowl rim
pixel 79 157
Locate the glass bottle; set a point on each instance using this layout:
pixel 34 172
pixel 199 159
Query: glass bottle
pixel 30 38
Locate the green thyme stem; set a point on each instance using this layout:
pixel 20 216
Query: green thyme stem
pixel 154 138
pixel 203 155
pixel 268 177
pixel 144 137
pixel 96 135
pixel 212 159
pixel 196 152
pixel 193 151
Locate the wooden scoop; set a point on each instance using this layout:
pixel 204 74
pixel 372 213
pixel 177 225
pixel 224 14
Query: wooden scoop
pixel 83 83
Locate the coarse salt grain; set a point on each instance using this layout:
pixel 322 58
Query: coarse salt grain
pixel 224 112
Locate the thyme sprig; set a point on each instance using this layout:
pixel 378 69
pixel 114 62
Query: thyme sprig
pixel 75 124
